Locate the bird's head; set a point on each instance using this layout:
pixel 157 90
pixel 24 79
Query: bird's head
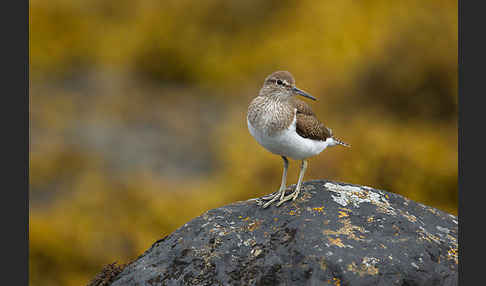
pixel 281 84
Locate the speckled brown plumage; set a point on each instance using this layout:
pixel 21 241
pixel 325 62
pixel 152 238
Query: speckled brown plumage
pixel 308 125
pixel 269 114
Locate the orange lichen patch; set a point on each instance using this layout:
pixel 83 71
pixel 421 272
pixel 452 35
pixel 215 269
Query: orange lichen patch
pixel 370 219
pixel 362 195
pixel 452 239
pixel 306 196
pixel 342 214
pixel 348 230
pixel 452 254
pixel 296 211
pixel 254 225
pixel 385 210
pixel 335 281
pixel 319 209
pixel 336 241
pixel 409 217
pixel 432 210
pixel 365 268
pixel 425 235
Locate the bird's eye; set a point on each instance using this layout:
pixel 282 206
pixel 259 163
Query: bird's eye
pixel 279 82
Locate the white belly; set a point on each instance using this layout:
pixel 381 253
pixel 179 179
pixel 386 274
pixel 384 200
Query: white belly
pixel 290 144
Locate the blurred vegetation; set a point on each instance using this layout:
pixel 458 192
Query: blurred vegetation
pixel 138 112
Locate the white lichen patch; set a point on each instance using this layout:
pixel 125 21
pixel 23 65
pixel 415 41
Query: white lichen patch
pixel 443 229
pixel 256 251
pixel 249 242
pixel 347 195
pixel 370 261
pixel 204 225
pixel 308 187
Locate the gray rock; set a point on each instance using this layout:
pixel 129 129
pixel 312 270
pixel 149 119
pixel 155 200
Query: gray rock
pixel 333 234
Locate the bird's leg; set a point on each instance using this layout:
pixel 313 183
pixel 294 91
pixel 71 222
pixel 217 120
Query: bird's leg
pixel 303 168
pixel 281 192
pixel 295 194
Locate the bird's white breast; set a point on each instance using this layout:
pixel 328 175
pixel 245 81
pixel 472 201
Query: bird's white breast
pixel 289 143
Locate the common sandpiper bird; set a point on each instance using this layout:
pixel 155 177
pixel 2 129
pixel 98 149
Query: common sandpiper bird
pixel 286 126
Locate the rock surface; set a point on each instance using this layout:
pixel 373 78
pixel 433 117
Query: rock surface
pixel 333 234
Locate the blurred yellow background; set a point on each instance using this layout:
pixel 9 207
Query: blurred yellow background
pixel 138 112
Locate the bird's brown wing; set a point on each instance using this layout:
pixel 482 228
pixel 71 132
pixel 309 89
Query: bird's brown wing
pixel 308 126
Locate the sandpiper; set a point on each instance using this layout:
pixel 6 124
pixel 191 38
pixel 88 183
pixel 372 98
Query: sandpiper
pixel 286 126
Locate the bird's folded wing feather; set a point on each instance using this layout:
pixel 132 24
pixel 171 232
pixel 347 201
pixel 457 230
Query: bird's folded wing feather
pixel 308 126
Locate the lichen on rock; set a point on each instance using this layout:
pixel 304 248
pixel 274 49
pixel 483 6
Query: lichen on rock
pixel 334 234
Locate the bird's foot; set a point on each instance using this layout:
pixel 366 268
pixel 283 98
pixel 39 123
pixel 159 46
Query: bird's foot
pixel 292 196
pixel 287 198
pixel 269 196
pixel 273 197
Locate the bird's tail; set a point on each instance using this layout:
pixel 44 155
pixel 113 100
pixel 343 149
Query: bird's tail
pixel 340 142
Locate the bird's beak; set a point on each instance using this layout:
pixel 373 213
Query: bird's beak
pixel 304 94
